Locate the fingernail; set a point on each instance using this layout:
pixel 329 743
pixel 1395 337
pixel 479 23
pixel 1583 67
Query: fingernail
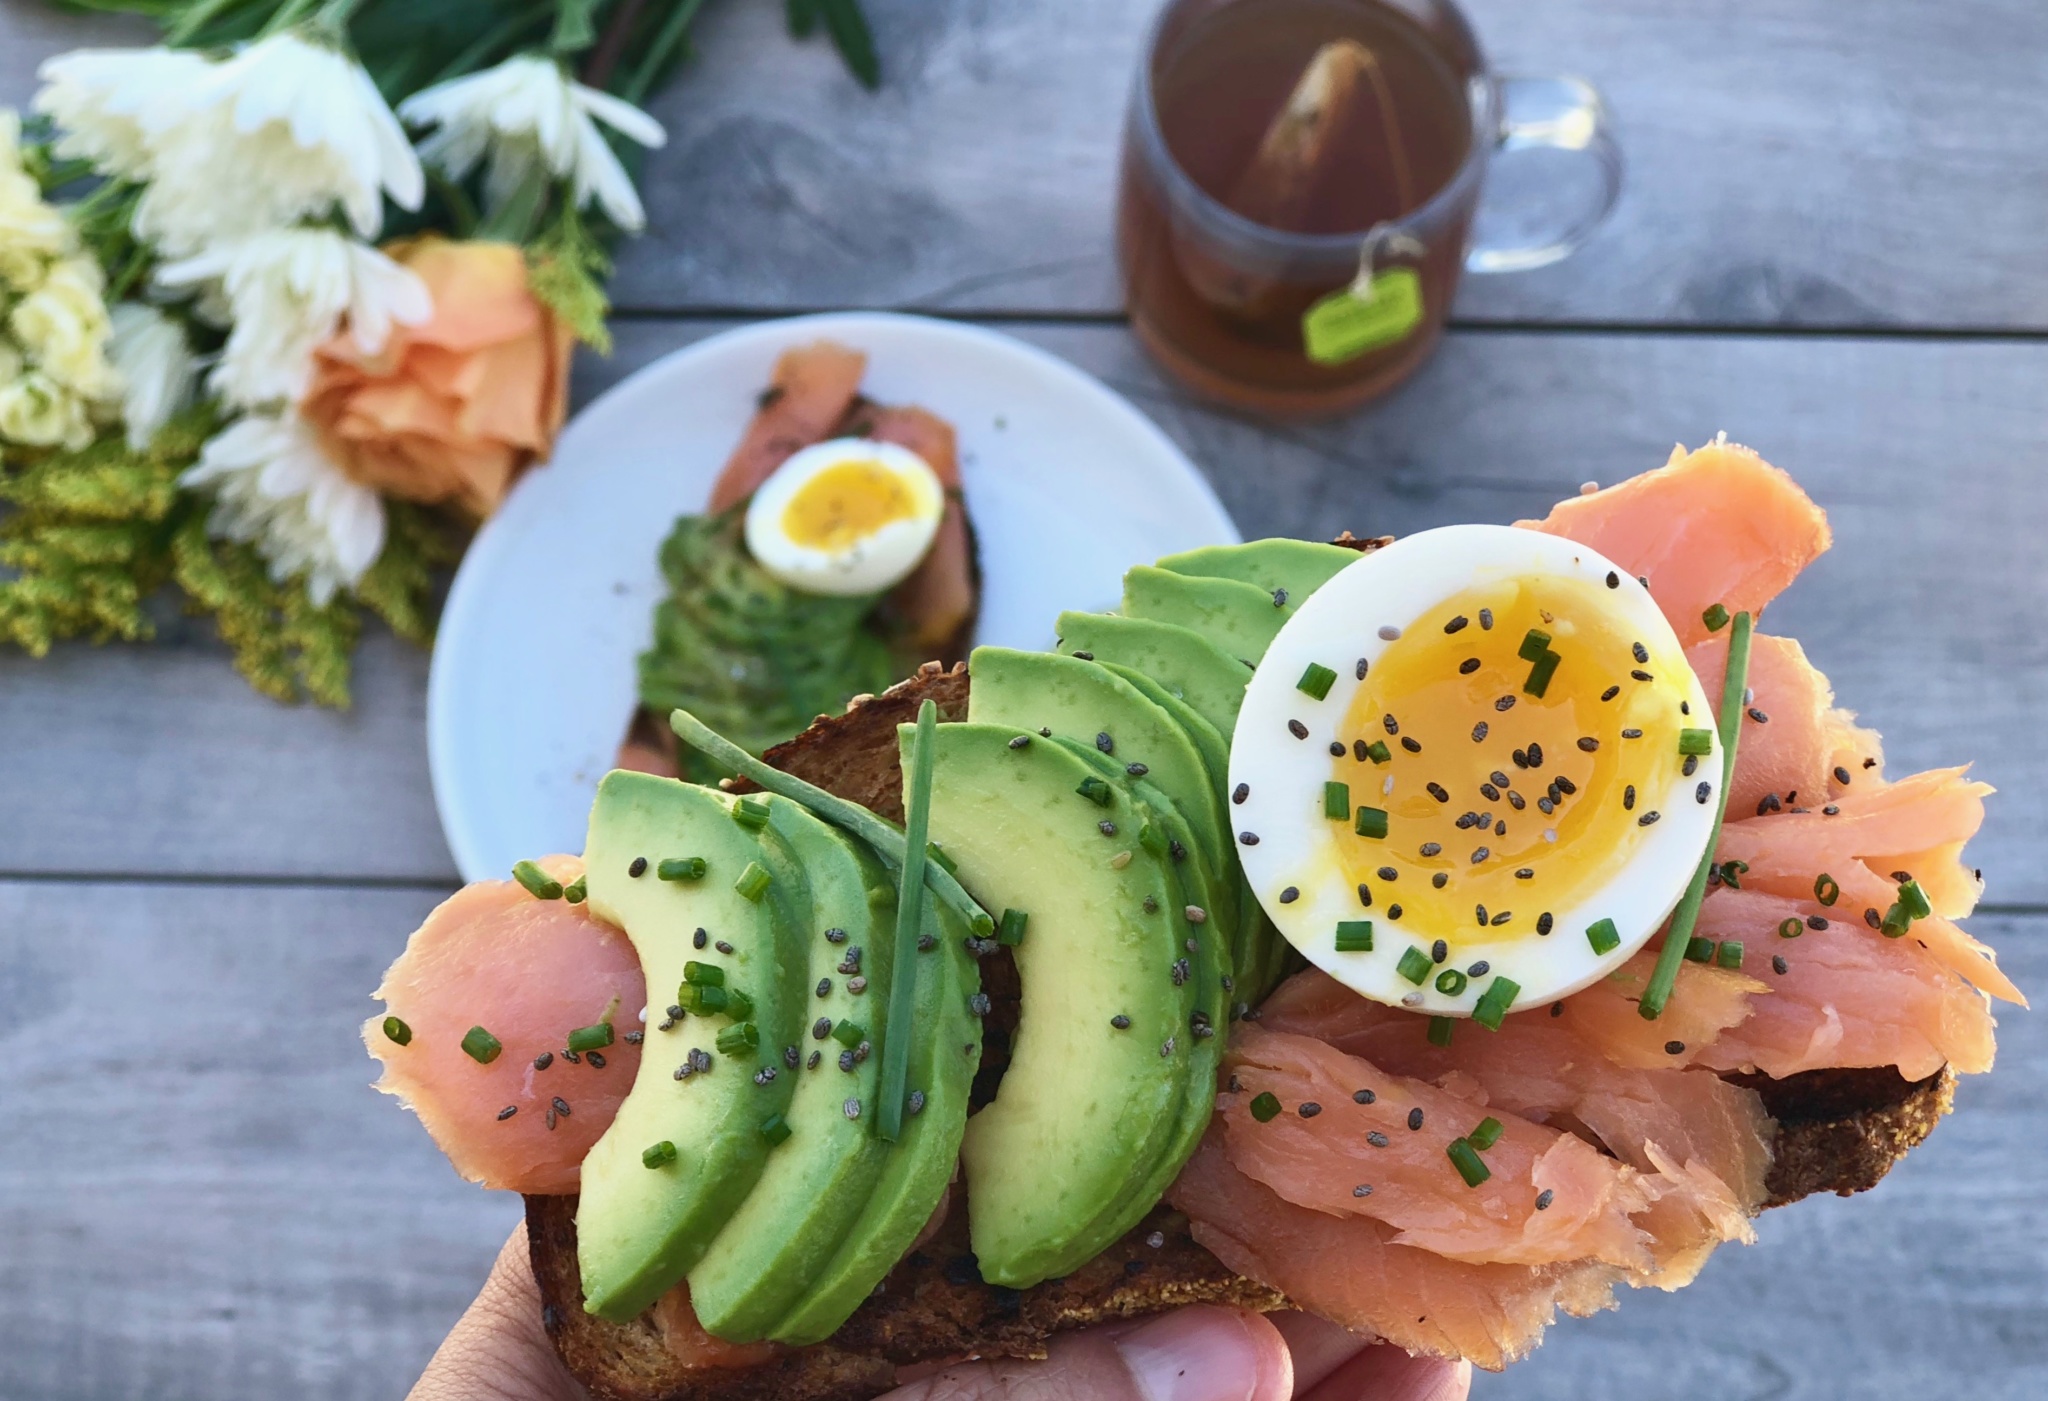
pixel 1194 1354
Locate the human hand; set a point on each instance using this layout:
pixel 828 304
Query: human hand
pixel 498 1351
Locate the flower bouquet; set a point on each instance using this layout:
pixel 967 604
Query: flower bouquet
pixel 287 303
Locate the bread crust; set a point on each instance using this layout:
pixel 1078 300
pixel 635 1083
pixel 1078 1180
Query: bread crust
pixel 1837 1131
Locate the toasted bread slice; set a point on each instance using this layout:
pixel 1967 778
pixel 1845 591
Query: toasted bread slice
pixel 1838 1131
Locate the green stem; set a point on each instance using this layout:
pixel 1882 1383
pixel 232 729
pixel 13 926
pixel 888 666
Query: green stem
pixel 285 16
pixel 917 816
pixel 195 19
pixel 1683 919
pixel 515 220
pixel 888 843
pixel 674 31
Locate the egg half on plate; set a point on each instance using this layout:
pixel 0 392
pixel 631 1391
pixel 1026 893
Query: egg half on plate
pixel 844 517
pixel 1474 771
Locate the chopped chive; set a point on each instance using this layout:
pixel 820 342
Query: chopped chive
pixel 775 1129
pixel 1692 741
pixel 1466 1159
pixel 1337 801
pixel 1370 822
pixel 1354 936
pixel 1440 1029
pixel 738 1005
pixel 1790 928
pixel 1378 752
pixel 1535 645
pixel 1492 1006
pixel 886 840
pixel 1152 839
pixel 1316 681
pixel 539 884
pixel 1540 674
pixel 1733 687
pixel 480 1046
pixel 1913 900
pixel 1603 936
pixel 935 853
pixel 1415 965
pixel 753 882
pixel 1716 618
pixel 1265 1107
pixel 399 1034
pixel 1729 955
pixel 576 891
pixel 740 1036
pixel 704 1001
pixel 704 974
pixel 658 1155
pixel 1450 982
pixel 1010 929
pixel 590 1038
pixel 849 1033
pixel 902 1008
pixel 1825 890
pixel 1486 1135
pixel 682 868
pixel 1896 921
pixel 1699 949
pixel 750 813
pixel 1096 791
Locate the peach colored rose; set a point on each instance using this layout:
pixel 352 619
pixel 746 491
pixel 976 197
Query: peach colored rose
pixel 451 410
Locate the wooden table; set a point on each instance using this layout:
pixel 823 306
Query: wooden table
pixel 1834 245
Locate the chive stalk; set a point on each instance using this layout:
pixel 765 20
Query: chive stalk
pixel 1354 936
pixel 539 884
pixel 1486 1135
pixel 887 842
pixel 1465 1158
pixel 590 1038
pixel 1679 936
pixel 917 812
pixel 397 1032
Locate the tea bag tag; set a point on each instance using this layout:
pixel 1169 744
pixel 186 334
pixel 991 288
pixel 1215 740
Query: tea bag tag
pixel 1377 309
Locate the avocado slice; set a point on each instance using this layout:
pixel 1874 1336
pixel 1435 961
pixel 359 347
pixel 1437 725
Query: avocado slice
pixel 641 1228
pixel 1187 664
pixel 1084 1101
pixel 807 1197
pixel 1238 617
pixel 943 1057
pixel 1077 700
pixel 1298 566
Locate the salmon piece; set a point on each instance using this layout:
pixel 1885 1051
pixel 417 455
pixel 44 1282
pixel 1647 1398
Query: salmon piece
pixel 1318 1162
pixel 675 1320
pixel 1880 828
pixel 1703 1144
pixel 1788 754
pixel 530 972
pixel 806 397
pixel 1349 1270
pixel 1705 1002
pixel 1848 997
pixel 938 598
pixel 1719 525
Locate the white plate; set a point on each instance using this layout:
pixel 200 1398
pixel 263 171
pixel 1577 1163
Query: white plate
pixel 533 674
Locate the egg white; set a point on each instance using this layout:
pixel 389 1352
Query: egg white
pixel 869 564
pixel 1335 627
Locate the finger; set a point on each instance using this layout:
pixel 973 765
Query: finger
pixel 1384 1372
pixel 1317 1346
pixel 498 1351
pixel 1199 1353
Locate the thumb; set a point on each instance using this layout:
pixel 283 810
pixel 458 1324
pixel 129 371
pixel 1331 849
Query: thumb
pixel 1198 1353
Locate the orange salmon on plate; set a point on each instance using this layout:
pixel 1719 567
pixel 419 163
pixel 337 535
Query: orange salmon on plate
pixel 1431 934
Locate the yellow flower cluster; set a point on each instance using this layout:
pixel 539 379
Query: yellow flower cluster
pixel 55 378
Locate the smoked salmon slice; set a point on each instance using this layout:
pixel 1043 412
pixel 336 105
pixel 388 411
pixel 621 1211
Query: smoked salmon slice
pixel 1719 525
pixel 529 972
pixel 806 398
pixel 938 598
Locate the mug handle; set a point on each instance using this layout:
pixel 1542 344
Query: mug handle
pixel 1564 114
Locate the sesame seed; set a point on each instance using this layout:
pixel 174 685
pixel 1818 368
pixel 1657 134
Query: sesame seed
pixel 1415 1118
pixel 1289 895
pixel 1440 880
pixel 1642 653
pixel 1759 716
pixel 1648 819
pixel 507 1112
pixel 1768 803
pixel 1166 1047
pixel 846 1061
pixel 1480 855
pixel 1336 749
pixel 1376 1138
pixel 1120 1022
pixel 1393 912
pixel 1816 922
pixel 856 986
pixel 1439 951
pixel 1480 911
pixel 551 1120
pixel 1297 729
pixel 1587 744
pixel 1544 1198
pixel 1248 838
pixel 572 1058
pixel 1631 734
pixel 1431 848
pixel 1438 792
pixel 547 1058
pixel 1390 633
pixel 1504 703
pixel 1019 741
pixel 639 865
pixel 561 1106
pixel 1610 693
pixel 1516 800
pixel 1613 580
pixel 1363 1189
pixel 1240 793
pixel 851 1109
pixel 1468 666
pixel 1674 1048
pixel 1479 732
pixel 1550 834
pixel 835 936
pixel 1140 770
pixel 722 946
pixel 1702 792
pixel 1411 744
pixel 764 1075
pixel 1525 873
pixel 1479 969
pixel 699 939
pixel 978 1004
pixel 1779 965
pixel 1691 765
pixel 1360 751
pixel 1841 775
pixel 1488 791
pixel 1309 1109
pixel 1486 619
pixel 1389 873
pixel 1106 827
pixel 1831 811
pixel 1195 914
pixel 824 987
pixel 1628 798
pixel 1545 805
pixel 596 1059
pixel 1457 624
pixel 1363 1096
pixel 1390 724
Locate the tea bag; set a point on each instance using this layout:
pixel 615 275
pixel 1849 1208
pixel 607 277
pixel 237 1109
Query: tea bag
pixel 1297 154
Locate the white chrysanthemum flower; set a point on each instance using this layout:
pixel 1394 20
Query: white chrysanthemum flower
pixel 62 325
pixel 527 112
pixel 284 130
pixel 275 489
pixel 286 292
pixel 37 411
pixel 111 104
pixel 31 231
pixel 156 368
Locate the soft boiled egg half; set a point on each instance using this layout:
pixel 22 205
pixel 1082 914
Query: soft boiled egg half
pixel 845 516
pixel 1474 772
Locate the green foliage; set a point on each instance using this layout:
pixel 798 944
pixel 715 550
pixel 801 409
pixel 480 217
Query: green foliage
pixel 283 645
pixel 566 269
pixel 751 657
pixel 399 587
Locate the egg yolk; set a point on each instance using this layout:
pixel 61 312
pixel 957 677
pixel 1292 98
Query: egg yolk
pixel 846 503
pixel 1501 806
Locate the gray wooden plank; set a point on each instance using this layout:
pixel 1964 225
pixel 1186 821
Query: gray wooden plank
pixel 201 1198
pixel 1792 162
pixel 1927 454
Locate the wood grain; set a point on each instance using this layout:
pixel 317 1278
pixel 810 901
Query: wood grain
pixel 201 1198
